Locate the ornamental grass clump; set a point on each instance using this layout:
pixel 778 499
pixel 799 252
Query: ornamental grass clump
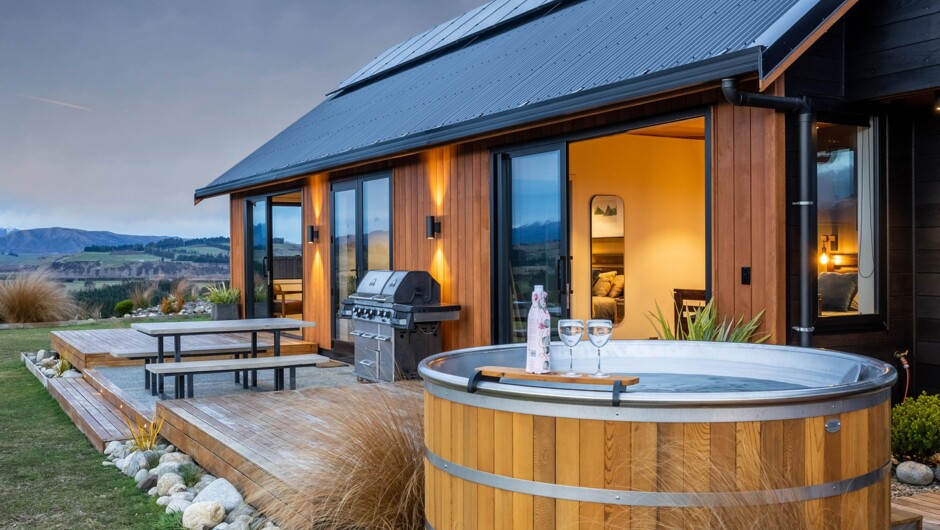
pixel 364 467
pixel 35 297
pixel 702 324
pixel 144 433
pixel 220 294
pixel 915 428
pixel 141 294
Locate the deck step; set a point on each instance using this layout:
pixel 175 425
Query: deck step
pixel 94 415
pixel 904 519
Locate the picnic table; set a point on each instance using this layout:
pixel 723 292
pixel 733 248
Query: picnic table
pixel 176 330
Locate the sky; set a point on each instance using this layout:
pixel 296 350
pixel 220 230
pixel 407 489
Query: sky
pixel 112 113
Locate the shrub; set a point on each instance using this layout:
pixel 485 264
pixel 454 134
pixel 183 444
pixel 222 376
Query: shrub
pixel 181 292
pixel 123 307
pixel 220 294
pixel 366 469
pixel 35 297
pixel 191 474
pixel 915 427
pixel 703 325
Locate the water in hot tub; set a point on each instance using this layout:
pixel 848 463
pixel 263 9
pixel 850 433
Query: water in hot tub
pixel 665 382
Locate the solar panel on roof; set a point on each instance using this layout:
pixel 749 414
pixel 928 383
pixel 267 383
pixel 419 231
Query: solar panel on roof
pixel 471 23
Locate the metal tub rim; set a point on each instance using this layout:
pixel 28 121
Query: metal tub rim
pixel 874 375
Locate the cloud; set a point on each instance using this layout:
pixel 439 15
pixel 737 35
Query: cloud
pixel 56 102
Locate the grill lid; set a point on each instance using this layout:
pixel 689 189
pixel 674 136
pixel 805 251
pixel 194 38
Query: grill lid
pixel 399 287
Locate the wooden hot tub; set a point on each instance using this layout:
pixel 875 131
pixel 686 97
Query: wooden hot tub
pixel 714 435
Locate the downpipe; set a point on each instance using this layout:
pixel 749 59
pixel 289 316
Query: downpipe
pixel 806 114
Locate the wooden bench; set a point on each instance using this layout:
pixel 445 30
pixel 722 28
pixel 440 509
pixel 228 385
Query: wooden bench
pixel 149 355
pixel 278 364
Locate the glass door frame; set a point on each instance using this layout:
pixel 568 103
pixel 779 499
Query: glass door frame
pixel 249 245
pixel 501 208
pixel 361 256
pixel 500 200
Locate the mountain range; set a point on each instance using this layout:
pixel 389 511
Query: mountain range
pixel 59 240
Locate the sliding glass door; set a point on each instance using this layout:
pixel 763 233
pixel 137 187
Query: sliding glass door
pixel 362 241
pixel 532 237
pixel 274 268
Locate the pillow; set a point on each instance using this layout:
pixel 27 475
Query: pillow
pixel 603 283
pixel 616 289
pixel 837 290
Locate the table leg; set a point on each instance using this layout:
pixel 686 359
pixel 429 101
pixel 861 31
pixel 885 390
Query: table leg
pixel 189 385
pixel 254 355
pixel 293 378
pixel 178 356
pixel 146 374
pixel 279 373
pixel 157 383
pixel 237 372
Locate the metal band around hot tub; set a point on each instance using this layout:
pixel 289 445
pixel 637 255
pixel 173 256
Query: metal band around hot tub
pixel 659 498
pixel 679 413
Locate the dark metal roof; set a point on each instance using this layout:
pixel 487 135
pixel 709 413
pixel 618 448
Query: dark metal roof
pixel 576 56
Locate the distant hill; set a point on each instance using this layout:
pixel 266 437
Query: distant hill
pixel 4 230
pixel 64 240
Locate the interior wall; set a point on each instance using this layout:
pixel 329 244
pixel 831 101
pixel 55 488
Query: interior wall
pixel 662 183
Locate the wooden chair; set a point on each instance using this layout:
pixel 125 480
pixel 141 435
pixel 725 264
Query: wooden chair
pixel 283 304
pixel 686 302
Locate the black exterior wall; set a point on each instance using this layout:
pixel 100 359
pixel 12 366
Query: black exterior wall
pixel 926 164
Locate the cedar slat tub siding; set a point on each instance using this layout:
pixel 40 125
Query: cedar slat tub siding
pixel 496 458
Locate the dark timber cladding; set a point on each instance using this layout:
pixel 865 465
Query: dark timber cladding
pixel 895 47
pixel 927 250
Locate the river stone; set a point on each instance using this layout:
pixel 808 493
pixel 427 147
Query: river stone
pixel 148 482
pixel 241 509
pixel 119 463
pixel 177 505
pixel 42 354
pixel 188 495
pixel 178 458
pixel 163 501
pixel 242 522
pixel 108 463
pixel 152 491
pixel 202 514
pixel 203 483
pixel 176 488
pixel 141 475
pixel 936 473
pixel 221 526
pixel 133 463
pixel 163 469
pixel 112 446
pixel 167 481
pixel 914 473
pixel 222 492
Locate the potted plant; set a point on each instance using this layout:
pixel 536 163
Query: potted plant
pixel 261 300
pixel 224 302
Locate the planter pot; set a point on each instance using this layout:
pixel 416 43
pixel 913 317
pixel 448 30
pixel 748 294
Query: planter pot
pixel 225 312
pixel 261 309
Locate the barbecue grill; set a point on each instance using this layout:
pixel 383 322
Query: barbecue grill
pixel 397 319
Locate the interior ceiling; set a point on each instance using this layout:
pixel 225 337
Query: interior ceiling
pixel 691 129
pixel 287 198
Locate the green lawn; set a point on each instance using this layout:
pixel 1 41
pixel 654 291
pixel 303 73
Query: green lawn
pixel 109 259
pixel 50 476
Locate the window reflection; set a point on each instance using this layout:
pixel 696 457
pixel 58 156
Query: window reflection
pixel 607 248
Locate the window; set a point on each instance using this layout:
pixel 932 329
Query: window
pixel 848 245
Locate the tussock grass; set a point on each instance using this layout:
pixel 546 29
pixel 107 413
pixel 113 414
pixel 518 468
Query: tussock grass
pixel 142 294
pixel 365 471
pixel 35 297
pixel 144 433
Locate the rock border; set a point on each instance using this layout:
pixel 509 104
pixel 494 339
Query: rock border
pixel 211 503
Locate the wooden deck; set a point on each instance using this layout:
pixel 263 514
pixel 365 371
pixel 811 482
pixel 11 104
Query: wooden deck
pixel 255 441
pixel 99 419
pixel 926 505
pixel 90 348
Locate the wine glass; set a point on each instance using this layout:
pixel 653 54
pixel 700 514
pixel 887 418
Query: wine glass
pixel 570 332
pixel 599 332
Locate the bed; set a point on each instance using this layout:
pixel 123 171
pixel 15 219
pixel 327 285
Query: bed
pixel 607 294
pixel 838 293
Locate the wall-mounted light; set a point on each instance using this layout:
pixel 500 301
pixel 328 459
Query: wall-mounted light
pixel 432 227
pixel 833 243
pixel 936 101
pixel 313 234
